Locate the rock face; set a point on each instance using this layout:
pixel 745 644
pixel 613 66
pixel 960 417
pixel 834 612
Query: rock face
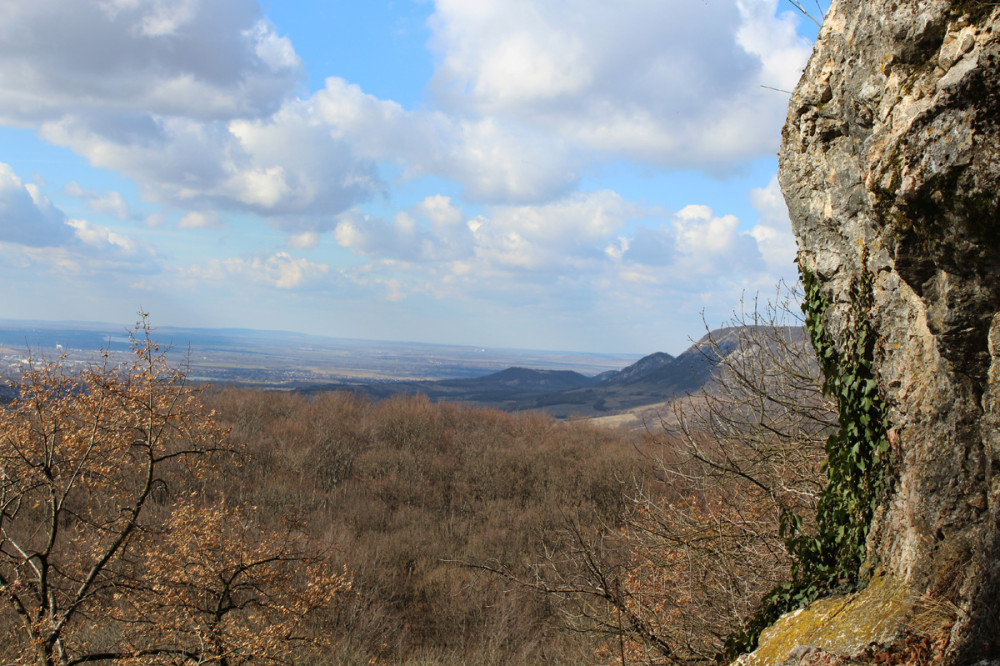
pixel 890 166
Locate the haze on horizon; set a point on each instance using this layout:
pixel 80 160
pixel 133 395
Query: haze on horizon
pixel 473 172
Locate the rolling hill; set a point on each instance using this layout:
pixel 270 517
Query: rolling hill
pixel 653 379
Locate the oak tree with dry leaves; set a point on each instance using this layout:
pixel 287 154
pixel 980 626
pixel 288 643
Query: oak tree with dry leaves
pixel 113 545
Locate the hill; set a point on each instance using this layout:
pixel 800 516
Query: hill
pixel 652 380
pixel 500 389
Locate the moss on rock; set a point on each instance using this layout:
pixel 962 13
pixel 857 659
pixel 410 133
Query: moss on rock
pixel 845 625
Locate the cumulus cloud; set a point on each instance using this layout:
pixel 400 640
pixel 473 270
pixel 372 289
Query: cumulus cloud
pixel 27 217
pixel 540 238
pixel 196 99
pixel 303 241
pixel 279 269
pixel 205 59
pixel 713 245
pixel 434 230
pixel 199 220
pixel 193 99
pixel 44 239
pixel 494 160
pixel 32 226
pixel 99 249
pixel 773 230
pixel 108 202
pixel 579 247
pixel 292 163
pixel 675 83
pixel 553 236
pixel 101 237
pixel 280 167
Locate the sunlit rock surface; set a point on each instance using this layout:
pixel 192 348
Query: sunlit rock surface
pixel 890 166
pixel 854 628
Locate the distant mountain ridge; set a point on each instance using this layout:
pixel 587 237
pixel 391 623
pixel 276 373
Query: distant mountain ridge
pixel 653 379
pixel 503 379
pixel 637 370
pixel 530 379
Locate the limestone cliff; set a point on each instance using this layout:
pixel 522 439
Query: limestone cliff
pixel 890 165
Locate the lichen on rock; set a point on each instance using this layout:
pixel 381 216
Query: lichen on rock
pixel 839 625
pixel 890 165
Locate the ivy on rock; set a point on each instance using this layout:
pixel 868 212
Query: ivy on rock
pixel 858 465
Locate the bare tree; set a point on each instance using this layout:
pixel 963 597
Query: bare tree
pixel 96 530
pixel 739 469
pixel 763 419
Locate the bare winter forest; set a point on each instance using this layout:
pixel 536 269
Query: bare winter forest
pixel 146 521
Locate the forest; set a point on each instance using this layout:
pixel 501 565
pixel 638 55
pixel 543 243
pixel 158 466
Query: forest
pixel 144 520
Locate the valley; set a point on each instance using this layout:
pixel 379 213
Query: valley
pixel 614 389
pixel 285 360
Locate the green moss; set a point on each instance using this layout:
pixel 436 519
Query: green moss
pixel 841 624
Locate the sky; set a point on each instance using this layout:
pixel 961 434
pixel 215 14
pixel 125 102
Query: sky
pixel 574 175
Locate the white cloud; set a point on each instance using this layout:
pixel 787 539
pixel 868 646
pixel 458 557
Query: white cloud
pixel 109 202
pixel 556 236
pixel 303 241
pixel 781 51
pixel 47 240
pixel 287 272
pixel 293 164
pixel 279 269
pixel 27 217
pixel 198 220
pixel 101 237
pixel 193 99
pixel 569 254
pixel 440 212
pixel 773 230
pixel 206 59
pixel 548 237
pixel 670 83
pixel 155 220
pixel 95 256
pixel 713 246
pixel 494 160
pixel 432 231
pixel 501 162
pixel 280 168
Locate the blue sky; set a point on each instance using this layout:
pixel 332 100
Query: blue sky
pixel 547 174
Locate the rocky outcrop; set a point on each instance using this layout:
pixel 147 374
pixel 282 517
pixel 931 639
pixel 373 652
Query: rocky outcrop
pixel 890 166
pixel 838 626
